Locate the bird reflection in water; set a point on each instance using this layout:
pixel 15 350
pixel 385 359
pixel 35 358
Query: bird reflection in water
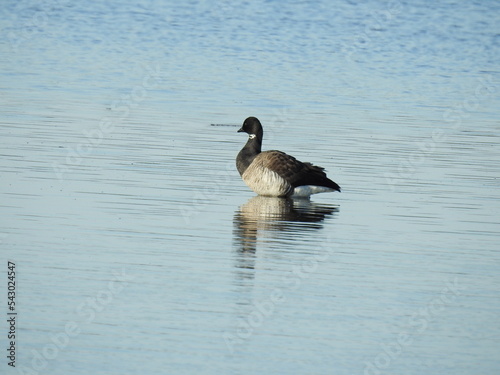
pixel 273 218
pixel 269 222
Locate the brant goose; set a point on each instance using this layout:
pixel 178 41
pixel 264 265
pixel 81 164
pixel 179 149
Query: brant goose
pixel 274 173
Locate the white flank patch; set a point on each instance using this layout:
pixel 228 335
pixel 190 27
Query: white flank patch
pixel 307 190
pixel 265 181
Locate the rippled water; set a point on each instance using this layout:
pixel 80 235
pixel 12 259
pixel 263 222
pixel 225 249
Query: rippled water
pixel 139 249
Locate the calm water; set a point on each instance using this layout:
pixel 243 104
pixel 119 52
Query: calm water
pixel 138 248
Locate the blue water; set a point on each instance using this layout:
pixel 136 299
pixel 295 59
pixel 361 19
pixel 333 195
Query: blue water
pixel 138 248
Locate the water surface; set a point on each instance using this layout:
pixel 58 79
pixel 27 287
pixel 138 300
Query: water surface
pixel 127 220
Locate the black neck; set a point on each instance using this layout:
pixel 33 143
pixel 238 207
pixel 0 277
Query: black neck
pixel 251 149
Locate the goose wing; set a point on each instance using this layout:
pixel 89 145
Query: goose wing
pixel 295 172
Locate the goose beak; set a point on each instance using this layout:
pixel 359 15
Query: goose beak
pixel 241 130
